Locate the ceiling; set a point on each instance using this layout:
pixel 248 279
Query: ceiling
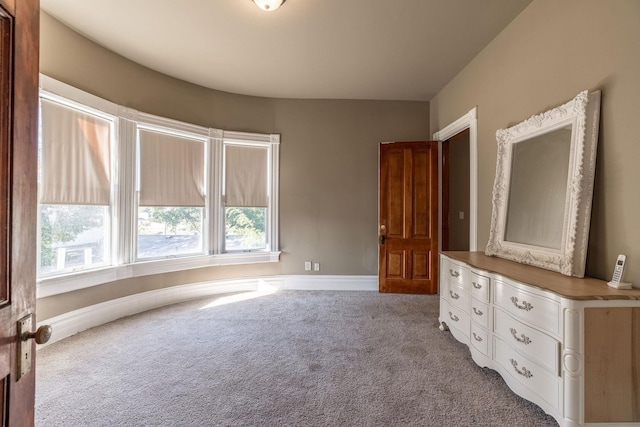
pixel 325 49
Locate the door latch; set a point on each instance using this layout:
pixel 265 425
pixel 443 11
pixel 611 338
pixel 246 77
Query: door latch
pixel 41 336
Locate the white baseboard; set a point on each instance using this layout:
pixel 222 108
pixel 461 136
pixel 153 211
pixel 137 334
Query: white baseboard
pixel 331 283
pixel 631 424
pixel 70 323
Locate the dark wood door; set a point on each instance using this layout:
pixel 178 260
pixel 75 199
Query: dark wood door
pixel 408 224
pixel 19 28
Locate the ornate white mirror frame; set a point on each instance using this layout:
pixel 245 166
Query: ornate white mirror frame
pixel 568 256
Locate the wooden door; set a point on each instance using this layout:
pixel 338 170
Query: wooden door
pixel 408 224
pixel 19 28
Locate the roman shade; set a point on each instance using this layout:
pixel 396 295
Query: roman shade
pixel 75 158
pixel 246 176
pixel 171 170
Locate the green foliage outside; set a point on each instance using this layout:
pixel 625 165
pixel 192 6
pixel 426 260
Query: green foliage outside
pixel 64 223
pixel 248 225
pixel 175 220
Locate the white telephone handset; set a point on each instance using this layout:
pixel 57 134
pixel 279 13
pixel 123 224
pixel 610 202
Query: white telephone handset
pixel 616 280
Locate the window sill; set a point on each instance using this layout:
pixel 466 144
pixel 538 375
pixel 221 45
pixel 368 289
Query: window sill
pixel 50 286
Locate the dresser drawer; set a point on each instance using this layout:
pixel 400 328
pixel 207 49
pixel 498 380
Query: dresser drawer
pixel 453 272
pixel 537 346
pixel 480 339
pixel 455 318
pixel 530 308
pixel 540 382
pixel 479 286
pixel 480 313
pixel 457 296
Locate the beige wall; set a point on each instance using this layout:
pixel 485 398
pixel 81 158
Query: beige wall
pixel 549 53
pixel 328 160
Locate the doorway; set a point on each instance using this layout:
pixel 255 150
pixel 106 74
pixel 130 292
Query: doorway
pixel 455 192
pixel 467 122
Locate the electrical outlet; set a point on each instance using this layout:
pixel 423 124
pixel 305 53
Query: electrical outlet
pixel 461 215
pixel 316 266
pixel 307 266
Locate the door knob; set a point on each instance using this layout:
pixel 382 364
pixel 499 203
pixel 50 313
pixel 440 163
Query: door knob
pixel 42 335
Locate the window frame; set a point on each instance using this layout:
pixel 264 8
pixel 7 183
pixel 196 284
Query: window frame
pixel 106 111
pixel 124 206
pixel 148 122
pixel 272 144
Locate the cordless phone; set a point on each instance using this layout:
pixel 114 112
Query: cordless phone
pixel 616 280
pixel 617 273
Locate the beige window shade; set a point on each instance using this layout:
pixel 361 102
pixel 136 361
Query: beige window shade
pixel 171 170
pixel 75 157
pixel 246 169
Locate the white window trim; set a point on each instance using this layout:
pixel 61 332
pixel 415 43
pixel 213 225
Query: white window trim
pixel 123 224
pixel 106 110
pixel 144 121
pixel 271 141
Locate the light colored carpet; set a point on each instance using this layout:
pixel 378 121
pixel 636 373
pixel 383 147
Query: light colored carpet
pixel 293 358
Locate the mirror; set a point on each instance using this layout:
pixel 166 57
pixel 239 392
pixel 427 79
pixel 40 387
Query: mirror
pixel 535 211
pixel 543 187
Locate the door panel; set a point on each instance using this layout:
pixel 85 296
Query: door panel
pixel 19 31
pixel 408 217
pixel 421 191
pixel 421 263
pixel 395 262
pixel 395 193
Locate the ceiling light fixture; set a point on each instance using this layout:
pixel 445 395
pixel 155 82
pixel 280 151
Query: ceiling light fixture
pixel 269 5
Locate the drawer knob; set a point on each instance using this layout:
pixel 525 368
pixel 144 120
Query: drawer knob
pixel 476 285
pixel 454 273
pixel 524 371
pixel 453 317
pixel 454 295
pixel 522 338
pixel 524 306
pixel 477 338
pixel 478 312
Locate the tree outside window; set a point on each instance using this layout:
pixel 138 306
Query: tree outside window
pixel 245 229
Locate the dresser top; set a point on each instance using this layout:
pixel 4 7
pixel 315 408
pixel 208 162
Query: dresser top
pixel 569 287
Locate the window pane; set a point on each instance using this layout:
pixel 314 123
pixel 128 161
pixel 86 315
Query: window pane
pixel 73 237
pixel 245 229
pixel 169 231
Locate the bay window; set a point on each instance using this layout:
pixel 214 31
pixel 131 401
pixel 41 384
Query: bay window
pixel 124 193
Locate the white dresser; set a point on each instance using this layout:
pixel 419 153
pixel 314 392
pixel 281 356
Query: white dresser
pixel 572 346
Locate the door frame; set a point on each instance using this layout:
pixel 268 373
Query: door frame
pixel 468 121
